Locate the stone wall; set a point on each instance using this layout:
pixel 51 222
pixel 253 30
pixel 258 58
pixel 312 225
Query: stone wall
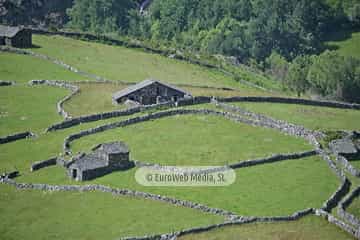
pixel 331 219
pixel 347 165
pixel 272 159
pixel 43 164
pixel 340 193
pixel 127 112
pixel 243 220
pixel 15 137
pixel 341 211
pixel 107 115
pixel 300 101
pixel 74 90
pixel 118 192
pixel 154 116
pixel 6 83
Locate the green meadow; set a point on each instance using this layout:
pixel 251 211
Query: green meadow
pixel 322 118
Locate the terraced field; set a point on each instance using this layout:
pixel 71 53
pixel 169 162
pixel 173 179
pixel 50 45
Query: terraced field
pixel 268 186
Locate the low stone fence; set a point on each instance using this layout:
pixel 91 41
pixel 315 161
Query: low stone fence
pixel 127 112
pixel 119 192
pixel 15 137
pixel 154 116
pixel 107 115
pixel 331 219
pixel 240 221
pixel 347 165
pixel 272 159
pixel 43 164
pixel 300 101
pixel 283 126
pixel 6 83
pixel 74 90
pixel 340 193
pixel 345 204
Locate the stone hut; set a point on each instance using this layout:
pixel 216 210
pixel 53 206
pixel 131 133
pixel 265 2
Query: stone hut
pixel 104 159
pixel 15 37
pixel 150 92
pixel 346 148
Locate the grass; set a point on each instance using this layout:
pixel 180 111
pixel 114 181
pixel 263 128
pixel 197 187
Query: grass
pixel 24 108
pixel 196 140
pixel 130 65
pixel 267 190
pixel 348 46
pixel 354 208
pixel 97 97
pixel 93 98
pixel 27 214
pixel 311 117
pixel 22 68
pixel 307 228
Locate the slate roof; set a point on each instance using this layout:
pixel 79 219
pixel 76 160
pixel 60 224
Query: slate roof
pixel 90 161
pixel 114 147
pixel 7 31
pixel 125 92
pixel 343 146
pixel 95 159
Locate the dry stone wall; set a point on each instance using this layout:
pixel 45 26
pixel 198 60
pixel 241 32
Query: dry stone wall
pixel 355 221
pixel 119 192
pixel 6 83
pixel 74 90
pixel 15 137
pixel 43 164
pixel 242 220
pixel 300 101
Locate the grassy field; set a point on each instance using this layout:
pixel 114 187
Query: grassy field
pixel 346 46
pixel 57 215
pixel 24 108
pixel 93 98
pixel 22 68
pixel 308 228
pixel 354 208
pixel 196 140
pixel 308 116
pixel 97 97
pixel 130 65
pixel 267 190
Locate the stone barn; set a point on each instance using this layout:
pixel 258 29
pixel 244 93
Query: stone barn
pixel 15 37
pixel 150 92
pixel 104 159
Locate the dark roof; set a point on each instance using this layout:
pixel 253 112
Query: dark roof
pixel 114 147
pixel 343 146
pixel 7 31
pixel 125 92
pixel 95 159
pixel 90 161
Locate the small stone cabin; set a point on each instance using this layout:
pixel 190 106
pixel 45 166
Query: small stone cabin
pixel 104 159
pixel 150 92
pixel 15 37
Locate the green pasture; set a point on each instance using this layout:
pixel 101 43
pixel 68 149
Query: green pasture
pixel 25 108
pixel 196 140
pixel 29 214
pixel 307 228
pixel 23 68
pixel 311 117
pixel 130 65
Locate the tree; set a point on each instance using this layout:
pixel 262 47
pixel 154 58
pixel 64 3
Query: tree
pixel 296 78
pixel 100 16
